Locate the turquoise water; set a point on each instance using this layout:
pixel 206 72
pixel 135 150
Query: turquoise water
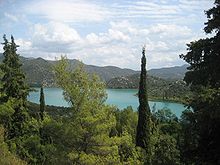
pixel 118 97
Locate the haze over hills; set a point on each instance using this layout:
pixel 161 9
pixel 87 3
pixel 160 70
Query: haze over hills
pixel 39 70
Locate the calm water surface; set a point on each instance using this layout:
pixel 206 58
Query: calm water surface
pixel 119 97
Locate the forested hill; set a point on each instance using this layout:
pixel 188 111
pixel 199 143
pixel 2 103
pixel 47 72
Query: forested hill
pixel 173 73
pixel 132 82
pixel 39 70
pixel 157 87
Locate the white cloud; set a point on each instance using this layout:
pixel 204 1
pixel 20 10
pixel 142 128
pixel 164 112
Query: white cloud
pixel 118 35
pixel 67 11
pixel 24 46
pixel 55 37
pixel 117 31
pixel 118 45
pixel 113 35
pixel 182 12
pixel 168 31
pixel 111 55
pixel 124 26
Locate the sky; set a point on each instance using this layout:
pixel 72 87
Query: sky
pixel 105 32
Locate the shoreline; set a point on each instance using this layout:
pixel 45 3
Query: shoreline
pixel 179 101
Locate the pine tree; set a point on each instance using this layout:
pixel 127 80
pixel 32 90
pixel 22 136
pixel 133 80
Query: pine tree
pixel 42 103
pixel 144 115
pixel 14 87
pixel 92 119
pixel 13 80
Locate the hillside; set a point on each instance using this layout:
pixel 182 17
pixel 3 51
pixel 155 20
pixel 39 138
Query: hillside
pixel 173 73
pixel 133 81
pixel 157 87
pixel 39 70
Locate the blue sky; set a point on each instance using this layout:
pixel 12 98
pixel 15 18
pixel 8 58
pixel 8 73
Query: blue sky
pixel 109 32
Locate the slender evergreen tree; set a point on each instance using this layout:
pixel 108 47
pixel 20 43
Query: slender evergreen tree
pixel 42 103
pixel 144 115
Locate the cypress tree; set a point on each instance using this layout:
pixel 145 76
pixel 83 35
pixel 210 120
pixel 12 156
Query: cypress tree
pixel 143 127
pixel 42 103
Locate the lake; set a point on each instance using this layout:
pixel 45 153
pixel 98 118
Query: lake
pixel 118 97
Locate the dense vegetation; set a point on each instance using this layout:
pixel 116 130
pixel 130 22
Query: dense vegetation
pixel 91 132
pixel 204 76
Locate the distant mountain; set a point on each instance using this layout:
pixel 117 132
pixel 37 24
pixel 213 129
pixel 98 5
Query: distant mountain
pixel 39 70
pixel 173 73
pixel 109 72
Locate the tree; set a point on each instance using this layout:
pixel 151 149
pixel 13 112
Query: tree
pixel 204 55
pixel 93 120
pixel 165 138
pixel 188 140
pixel 144 114
pixel 42 103
pixel 204 76
pixel 166 152
pixel 22 132
pixel 13 80
pixel 126 122
pixel 14 87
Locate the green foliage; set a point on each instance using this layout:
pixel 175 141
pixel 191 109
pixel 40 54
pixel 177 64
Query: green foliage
pixel 188 137
pixel 90 117
pixel 203 55
pixel 79 89
pixel 13 87
pixel 165 115
pixel 126 122
pixel 6 157
pixel 204 122
pixel 165 137
pixel 22 131
pixel 6 112
pixel 57 144
pixel 144 116
pixel 129 154
pixel 168 123
pixel 165 151
pixel 13 78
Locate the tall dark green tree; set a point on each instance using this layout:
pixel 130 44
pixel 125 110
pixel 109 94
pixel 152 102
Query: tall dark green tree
pixel 144 115
pixel 13 80
pixel 14 87
pixel 42 103
pixel 204 76
pixel 204 55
